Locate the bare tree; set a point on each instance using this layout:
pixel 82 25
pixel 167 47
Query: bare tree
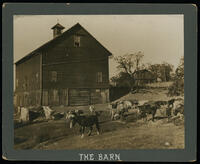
pixel 128 64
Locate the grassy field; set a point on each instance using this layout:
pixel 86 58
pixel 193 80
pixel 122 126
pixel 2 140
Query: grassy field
pixel 129 134
pixel 125 136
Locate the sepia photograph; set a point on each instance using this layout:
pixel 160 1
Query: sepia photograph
pixel 98 82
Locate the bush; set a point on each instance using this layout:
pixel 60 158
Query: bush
pixel 177 88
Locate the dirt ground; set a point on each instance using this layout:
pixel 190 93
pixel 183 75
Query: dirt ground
pixel 129 134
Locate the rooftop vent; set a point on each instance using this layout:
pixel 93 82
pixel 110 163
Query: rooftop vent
pixel 57 30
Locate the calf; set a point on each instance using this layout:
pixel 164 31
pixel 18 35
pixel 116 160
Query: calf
pixel 84 121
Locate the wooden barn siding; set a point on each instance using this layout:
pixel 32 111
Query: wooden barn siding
pixel 76 67
pixel 75 96
pixel 30 98
pixel 88 96
pixel 79 97
pixel 64 50
pixel 80 72
pixel 76 75
pixel 28 91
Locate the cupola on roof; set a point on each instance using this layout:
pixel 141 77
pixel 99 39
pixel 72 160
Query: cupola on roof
pixel 58 26
pixel 57 30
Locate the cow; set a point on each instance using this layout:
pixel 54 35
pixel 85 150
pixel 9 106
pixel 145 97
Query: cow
pixel 135 103
pixel 176 105
pixel 84 121
pixel 128 104
pixel 114 104
pixel 119 108
pixel 148 108
pixel 171 102
pixel 57 116
pixel 179 109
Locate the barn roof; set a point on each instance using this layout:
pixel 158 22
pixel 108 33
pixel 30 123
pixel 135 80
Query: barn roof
pixel 67 33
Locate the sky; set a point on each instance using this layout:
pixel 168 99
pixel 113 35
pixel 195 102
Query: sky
pixel 159 37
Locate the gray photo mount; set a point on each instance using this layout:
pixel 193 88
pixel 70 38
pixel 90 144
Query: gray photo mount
pixel 190 55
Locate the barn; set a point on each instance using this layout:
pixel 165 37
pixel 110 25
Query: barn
pixel 71 69
pixel 144 76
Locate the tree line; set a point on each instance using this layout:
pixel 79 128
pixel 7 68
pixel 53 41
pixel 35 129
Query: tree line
pixel 130 65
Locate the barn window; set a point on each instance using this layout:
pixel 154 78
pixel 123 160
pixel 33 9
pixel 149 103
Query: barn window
pixel 99 77
pixel 77 41
pixel 53 76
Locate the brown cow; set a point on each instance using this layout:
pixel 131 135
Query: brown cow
pixel 148 108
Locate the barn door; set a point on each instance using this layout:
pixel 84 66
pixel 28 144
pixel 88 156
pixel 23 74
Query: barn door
pixel 79 97
pixel 64 97
pixel 96 97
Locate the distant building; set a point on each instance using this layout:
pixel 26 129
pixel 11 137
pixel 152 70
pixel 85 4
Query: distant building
pixel 71 69
pixel 144 77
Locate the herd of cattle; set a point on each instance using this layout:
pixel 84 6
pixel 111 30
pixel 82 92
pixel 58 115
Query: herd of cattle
pixel 143 108
pixel 118 110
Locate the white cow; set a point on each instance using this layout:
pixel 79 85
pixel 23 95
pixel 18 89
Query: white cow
pixel 118 108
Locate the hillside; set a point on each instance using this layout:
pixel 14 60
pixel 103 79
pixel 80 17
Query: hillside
pixel 131 134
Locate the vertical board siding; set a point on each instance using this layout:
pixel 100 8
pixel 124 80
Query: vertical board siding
pixel 76 73
pixel 28 78
pixel 63 97
pixel 79 97
pixel 45 98
pixel 96 96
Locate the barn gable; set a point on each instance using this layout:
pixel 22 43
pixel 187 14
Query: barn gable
pixel 65 49
pixel 76 29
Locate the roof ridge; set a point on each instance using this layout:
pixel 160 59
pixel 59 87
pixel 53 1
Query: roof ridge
pixel 56 38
